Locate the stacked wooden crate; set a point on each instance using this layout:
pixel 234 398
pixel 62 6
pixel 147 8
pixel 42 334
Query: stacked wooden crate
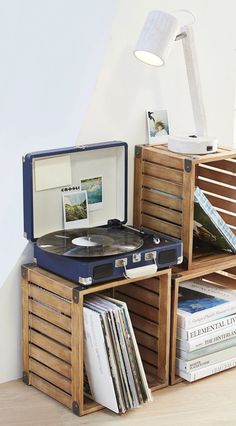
pixel 164 186
pixel 52 312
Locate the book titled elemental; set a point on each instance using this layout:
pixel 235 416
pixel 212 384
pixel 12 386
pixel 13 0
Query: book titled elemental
pixel 200 301
pixel 206 333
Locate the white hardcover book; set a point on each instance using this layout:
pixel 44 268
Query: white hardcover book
pixel 187 356
pixel 207 371
pixel 97 363
pixel 206 340
pixel 200 302
pixel 206 360
pixel 207 328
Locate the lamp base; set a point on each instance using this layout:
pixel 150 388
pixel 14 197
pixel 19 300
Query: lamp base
pixel 198 145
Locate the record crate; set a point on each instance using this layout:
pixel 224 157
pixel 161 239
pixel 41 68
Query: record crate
pixel 52 321
pixel 223 273
pixel 164 184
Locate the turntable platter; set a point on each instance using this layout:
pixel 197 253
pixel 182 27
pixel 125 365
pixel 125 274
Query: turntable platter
pixel 91 242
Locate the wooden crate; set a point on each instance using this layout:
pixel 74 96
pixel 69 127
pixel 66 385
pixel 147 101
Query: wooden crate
pixel 221 273
pixel 52 311
pixel 164 186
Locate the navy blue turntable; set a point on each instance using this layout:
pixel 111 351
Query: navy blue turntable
pixel 99 248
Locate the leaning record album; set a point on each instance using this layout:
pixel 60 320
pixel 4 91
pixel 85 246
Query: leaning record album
pixel 90 242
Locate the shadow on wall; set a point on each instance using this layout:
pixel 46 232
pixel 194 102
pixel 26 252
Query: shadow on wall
pixel 10 320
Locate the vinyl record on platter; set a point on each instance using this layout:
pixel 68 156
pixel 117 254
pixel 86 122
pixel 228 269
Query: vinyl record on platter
pixel 91 242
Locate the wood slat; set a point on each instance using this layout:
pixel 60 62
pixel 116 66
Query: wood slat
pixel 156 156
pixel 48 329
pixel 162 212
pixel 222 154
pixel 146 311
pixel 49 299
pixel 153 383
pixel 50 361
pixel 222 280
pixel 228 179
pixel 163 185
pixel 188 210
pixel 173 328
pixel 164 333
pixel 51 390
pixel 144 324
pixel 25 325
pixel 228 218
pixel 150 369
pixel 161 226
pixel 90 406
pixel 200 253
pixel 220 262
pixel 141 294
pixel 50 315
pixel 78 352
pixel 232 271
pixel 146 340
pixel 50 346
pixel 50 375
pixel 163 147
pixel 228 165
pixel 222 203
pixel 162 172
pixel 148 356
pixel 207 261
pixel 151 284
pixel 51 282
pixel 226 148
pixel 162 199
pixel 217 189
pixel 138 166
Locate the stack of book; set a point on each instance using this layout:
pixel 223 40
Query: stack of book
pixel 206 329
pixel 114 374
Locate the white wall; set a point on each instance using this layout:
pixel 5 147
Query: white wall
pixel 126 87
pixel 50 53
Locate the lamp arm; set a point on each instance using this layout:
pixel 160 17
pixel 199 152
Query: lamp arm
pixel 194 82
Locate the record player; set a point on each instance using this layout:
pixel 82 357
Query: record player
pixel 80 240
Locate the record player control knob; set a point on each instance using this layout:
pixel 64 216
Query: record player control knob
pixel 156 240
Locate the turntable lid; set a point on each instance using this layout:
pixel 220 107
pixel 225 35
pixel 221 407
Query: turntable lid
pixel 49 174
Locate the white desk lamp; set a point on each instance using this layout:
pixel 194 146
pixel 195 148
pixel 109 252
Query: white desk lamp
pixel 154 45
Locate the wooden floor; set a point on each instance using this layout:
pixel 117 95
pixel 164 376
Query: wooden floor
pixel 211 401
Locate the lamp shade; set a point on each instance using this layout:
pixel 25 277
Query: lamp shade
pixel 157 37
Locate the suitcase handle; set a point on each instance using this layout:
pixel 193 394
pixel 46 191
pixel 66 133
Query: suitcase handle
pixel 141 271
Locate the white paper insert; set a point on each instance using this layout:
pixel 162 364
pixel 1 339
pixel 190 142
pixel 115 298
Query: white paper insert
pixel 52 172
pixel 47 203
